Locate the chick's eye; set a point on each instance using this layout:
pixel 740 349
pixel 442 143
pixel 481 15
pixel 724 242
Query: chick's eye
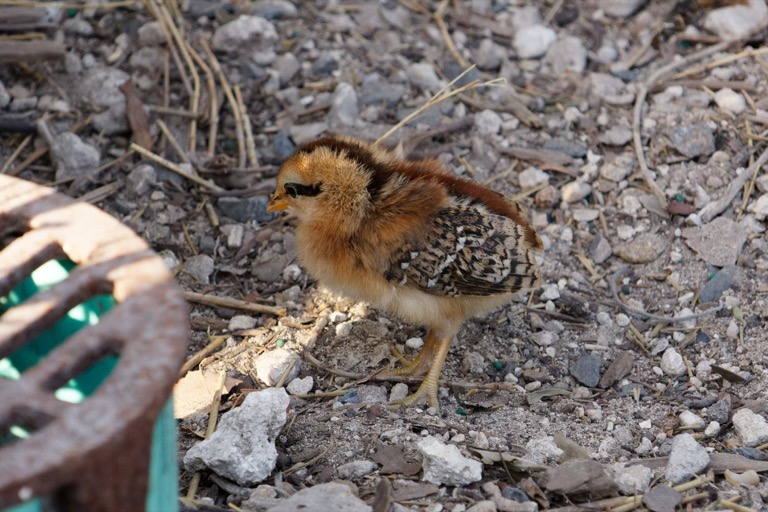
pixel 299 189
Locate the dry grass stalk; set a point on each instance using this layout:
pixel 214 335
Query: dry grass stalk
pixel 226 302
pixel 214 63
pixel 174 168
pixel 216 342
pixel 213 121
pixel 443 94
pixel 439 18
pixel 172 141
pixel 250 145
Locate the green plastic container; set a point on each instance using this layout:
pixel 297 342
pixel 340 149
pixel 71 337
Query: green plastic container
pixel 163 479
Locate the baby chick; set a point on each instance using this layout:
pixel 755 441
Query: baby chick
pixel 408 237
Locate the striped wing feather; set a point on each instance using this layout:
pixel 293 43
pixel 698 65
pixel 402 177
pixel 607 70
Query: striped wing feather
pixel 467 251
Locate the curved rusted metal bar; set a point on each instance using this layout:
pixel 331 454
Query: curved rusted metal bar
pixel 92 456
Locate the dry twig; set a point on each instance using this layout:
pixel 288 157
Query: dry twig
pixel 226 302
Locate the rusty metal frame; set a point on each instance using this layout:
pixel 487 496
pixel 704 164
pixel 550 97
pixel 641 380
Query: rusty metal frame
pixel 93 456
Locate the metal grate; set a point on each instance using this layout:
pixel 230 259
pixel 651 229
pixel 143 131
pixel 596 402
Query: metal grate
pixel 92 456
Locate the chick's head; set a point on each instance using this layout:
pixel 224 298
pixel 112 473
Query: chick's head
pixel 319 182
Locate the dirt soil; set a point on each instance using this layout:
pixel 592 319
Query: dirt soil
pixel 587 357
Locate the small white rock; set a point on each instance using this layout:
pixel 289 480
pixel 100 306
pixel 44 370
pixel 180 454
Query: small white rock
pixel 240 322
pixel 301 386
pixel 550 292
pixel 532 177
pixel 730 101
pixel 488 122
pixel 337 317
pixel 712 429
pixel 414 343
pixel 444 464
pixel 691 420
pixel 752 428
pixel 575 191
pixel 344 329
pixel 533 42
pixel 672 363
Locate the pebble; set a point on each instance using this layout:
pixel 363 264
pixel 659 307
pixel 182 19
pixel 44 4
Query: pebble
pixel 733 330
pixel 550 292
pixel 586 369
pixel 620 8
pixel 304 133
pixel 622 320
pixel 719 242
pixel 73 158
pixel 567 54
pixel 247 32
pixel 631 480
pixel 414 343
pixel 200 267
pixel 544 338
pixel 585 214
pixel 445 465
pixel 301 386
pixel 532 42
pixel 693 140
pixel 356 469
pixel 489 55
pixel 245 210
pixel 271 365
pixel 672 363
pixel 625 232
pixel 322 498
pixel 616 135
pixel 251 428
pixel 544 450
pixel 691 420
pixel 482 506
pixel 345 110
pixel 275 9
pixel 374 90
pixel 399 391
pixel 575 191
pixel 730 101
pixel 423 76
pixel 752 428
pixel 240 322
pixel 370 394
pixel 712 428
pixel 719 411
pixel 736 21
pixel 151 34
pixel 344 329
pixel 686 460
pixel 337 317
pixel 645 248
pixel 488 122
pixel 572 148
pixel 600 249
pixel 141 179
pixel 760 207
pixel 286 65
pixel 532 177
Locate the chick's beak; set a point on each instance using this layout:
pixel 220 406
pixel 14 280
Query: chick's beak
pixel 276 203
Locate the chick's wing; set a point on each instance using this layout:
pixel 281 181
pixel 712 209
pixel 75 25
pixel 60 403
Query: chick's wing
pixel 466 250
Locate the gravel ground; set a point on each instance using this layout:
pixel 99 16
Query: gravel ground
pixel 588 375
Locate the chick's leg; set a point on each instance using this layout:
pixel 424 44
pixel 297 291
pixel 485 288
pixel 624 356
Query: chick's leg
pixel 421 364
pixel 428 388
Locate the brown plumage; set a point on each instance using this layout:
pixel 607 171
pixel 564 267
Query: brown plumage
pixel 408 237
